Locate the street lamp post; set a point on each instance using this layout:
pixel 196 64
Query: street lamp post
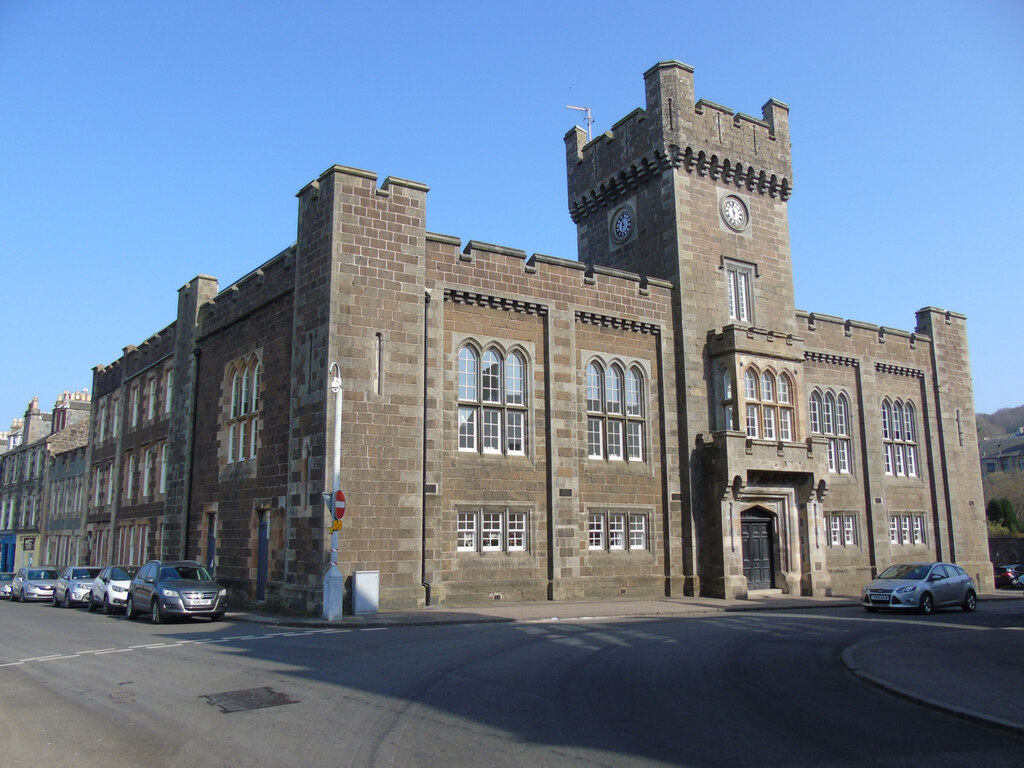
pixel 334 581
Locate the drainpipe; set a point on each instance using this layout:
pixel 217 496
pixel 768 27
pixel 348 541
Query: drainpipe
pixel 423 482
pixel 190 449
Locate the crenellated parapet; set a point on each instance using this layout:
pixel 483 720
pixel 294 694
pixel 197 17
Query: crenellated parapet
pixel 702 138
pixel 540 271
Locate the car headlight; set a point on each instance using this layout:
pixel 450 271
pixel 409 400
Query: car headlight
pixel 908 588
pixel 166 592
pixel 118 589
pixel 222 593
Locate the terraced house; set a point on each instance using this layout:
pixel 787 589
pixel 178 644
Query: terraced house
pixel 653 417
pixel 42 485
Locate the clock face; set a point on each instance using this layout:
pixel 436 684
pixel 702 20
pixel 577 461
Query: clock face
pixel 734 213
pixel 623 225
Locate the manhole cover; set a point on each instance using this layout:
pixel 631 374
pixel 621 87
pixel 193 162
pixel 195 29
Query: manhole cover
pixel 123 696
pixel 251 698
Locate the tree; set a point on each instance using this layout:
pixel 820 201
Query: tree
pixel 1002 422
pixel 1001 513
pixel 1008 486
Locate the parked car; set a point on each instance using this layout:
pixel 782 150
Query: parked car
pixel 34 583
pixel 74 585
pixel 109 589
pixel 5 584
pixel 175 588
pixel 1008 576
pixel 920 587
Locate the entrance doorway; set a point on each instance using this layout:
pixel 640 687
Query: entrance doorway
pixel 757 551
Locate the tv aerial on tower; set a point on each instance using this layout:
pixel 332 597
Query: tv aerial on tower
pixel 589 119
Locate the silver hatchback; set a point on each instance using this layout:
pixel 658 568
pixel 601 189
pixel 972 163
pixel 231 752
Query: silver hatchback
pixel 74 585
pixel 33 584
pixel 920 587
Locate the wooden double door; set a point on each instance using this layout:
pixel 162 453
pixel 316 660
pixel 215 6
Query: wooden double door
pixel 757 551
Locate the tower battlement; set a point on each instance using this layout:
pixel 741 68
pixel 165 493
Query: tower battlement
pixel 674 131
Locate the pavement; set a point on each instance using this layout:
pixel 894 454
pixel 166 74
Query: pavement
pixel 972 672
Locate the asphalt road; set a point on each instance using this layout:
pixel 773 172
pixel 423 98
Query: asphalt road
pixel 742 689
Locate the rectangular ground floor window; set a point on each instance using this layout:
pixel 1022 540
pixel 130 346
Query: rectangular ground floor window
pixel 842 530
pixel 614 530
pixel 492 529
pixel 907 529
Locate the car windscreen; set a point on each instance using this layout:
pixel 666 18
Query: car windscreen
pixel 123 574
pixel 42 573
pixel 84 573
pixel 905 572
pixel 6 576
pixel 186 573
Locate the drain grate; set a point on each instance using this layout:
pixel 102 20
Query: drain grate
pixel 123 696
pixel 251 698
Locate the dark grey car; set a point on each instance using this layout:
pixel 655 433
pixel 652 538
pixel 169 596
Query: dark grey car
pixel 175 588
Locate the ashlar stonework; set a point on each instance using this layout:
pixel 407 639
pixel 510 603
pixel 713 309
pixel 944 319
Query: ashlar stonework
pixel 653 418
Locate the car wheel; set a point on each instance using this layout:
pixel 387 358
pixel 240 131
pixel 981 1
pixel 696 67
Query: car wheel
pixel 217 617
pixel 155 614
pixel 55 601
pixel 129 608
pixel 927 604
pixel 67 600
pixel 107 608
pixel 92 604
pixel 970 601
pixel 13 598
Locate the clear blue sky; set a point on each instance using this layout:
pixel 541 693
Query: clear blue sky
pixel 142 144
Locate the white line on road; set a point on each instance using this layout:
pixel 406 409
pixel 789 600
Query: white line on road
pixel 180 643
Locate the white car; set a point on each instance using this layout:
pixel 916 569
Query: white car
pixel 110 588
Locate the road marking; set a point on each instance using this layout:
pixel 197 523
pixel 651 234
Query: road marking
pixel 181 643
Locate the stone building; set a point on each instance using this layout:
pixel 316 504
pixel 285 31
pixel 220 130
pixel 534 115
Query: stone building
pixel 1002 454
pixel 42 482
pixel 12 438
pixel 653 418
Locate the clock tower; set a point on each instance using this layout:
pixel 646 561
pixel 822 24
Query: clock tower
pixel 695 193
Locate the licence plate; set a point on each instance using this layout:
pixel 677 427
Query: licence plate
pixel 879 598
pixel 202 603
